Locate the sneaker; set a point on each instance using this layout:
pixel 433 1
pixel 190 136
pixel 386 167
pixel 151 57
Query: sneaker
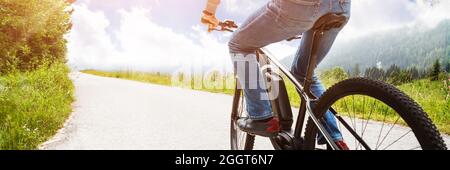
pixel 340 144
pixel 266 128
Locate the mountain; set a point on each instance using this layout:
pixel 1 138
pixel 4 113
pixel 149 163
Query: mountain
pixel 405 47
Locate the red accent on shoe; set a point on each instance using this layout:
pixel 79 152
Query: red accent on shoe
pixel 274 125
pixel 342 145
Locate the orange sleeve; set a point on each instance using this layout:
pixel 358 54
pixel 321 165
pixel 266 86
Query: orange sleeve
pixel 212 5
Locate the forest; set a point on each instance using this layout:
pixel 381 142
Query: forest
pixel 412 49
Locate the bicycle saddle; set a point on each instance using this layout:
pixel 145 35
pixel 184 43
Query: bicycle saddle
pixel 330 21
pixel 325 23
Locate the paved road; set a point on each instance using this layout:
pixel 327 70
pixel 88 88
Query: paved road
pixel 120 114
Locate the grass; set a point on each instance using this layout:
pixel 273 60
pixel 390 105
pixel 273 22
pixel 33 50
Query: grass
pixel 215 86
pixel 33 106
pixel 434 97
pixel 154 78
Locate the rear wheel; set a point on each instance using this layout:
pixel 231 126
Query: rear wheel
pixel 377 116
pixel 240 140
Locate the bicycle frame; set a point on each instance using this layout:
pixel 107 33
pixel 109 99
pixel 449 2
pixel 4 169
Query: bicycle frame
pixel 326 22
pixel 306 96
pixel 280 101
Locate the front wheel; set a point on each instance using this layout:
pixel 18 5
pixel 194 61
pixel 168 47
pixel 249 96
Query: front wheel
pixel 239 140
pixel 373 115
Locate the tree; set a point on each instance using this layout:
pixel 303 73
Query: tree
pixel 435 71
pixel 392 71
pixel 414 73
pixel 31 34
pixel 356 71
pixel 447 67
pixel 394 75
pixel 405 76
pixel 424 73
pixel 333 76
pixel 374 73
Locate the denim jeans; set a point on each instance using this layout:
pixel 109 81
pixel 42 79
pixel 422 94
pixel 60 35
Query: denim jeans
pixel 277 21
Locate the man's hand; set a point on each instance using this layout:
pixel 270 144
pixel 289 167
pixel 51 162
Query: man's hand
pixel 210 20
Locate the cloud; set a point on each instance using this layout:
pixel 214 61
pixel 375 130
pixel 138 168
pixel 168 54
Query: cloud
pixel 112 39
pixel 369 16
pixel 89 44
pixel 241 7
pixel 431 12
pixel 140 44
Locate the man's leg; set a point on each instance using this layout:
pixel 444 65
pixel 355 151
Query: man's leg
pixel 264 27
pixel 299 68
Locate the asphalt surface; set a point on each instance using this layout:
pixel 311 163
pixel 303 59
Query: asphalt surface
pixel 116 114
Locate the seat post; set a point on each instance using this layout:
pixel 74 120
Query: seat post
pixel 324 23
pixel 312 63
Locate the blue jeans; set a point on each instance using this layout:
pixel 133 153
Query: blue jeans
pixel 275 22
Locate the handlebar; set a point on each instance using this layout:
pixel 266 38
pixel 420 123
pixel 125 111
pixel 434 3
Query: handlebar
pixel 226 25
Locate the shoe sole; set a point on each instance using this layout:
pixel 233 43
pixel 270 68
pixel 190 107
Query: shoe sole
pixel 263 135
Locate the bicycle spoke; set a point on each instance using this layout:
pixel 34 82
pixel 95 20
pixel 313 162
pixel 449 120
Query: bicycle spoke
pixel 349 114
pixel 387 117
pixel 346 106
pixel 347 110
pixel 367 122
pixel 384 138
pixel 357 137
pixel 339 124
pixel 397 139
pixel 241 136
pixel 363 110
pixel 382 127
pixel 354 112
pixel 354 119
pixel 417 147
pixel 368 118
pixel 362 119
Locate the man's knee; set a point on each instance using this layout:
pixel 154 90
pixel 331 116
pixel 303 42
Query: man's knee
pixel 237 44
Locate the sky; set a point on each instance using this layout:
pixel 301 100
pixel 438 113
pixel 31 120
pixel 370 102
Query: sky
pixel 166 36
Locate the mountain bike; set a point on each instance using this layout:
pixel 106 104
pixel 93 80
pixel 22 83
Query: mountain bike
pixel 372 115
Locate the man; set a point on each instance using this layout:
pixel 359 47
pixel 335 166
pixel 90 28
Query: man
pixel 279 20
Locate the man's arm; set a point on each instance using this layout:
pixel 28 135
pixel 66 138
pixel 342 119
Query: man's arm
pixel 209 14
pixel 211 6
